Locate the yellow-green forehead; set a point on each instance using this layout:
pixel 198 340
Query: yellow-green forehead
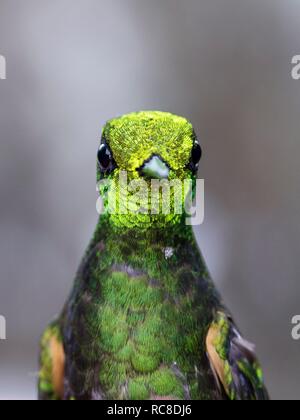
pixel 135 137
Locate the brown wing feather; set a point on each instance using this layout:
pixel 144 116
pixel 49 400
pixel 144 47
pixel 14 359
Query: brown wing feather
pixel 58 367
pixel 233 361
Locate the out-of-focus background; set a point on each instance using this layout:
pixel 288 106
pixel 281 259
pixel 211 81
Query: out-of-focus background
pixel 226 65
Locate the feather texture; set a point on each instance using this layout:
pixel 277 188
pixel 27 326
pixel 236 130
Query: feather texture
pixel 233 361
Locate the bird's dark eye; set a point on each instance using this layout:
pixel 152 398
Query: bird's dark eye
pixel 196 154
pixel 104 157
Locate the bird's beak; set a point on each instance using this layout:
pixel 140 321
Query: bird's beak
pixel 155 168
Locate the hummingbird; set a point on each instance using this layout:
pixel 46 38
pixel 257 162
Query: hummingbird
pixel 144 320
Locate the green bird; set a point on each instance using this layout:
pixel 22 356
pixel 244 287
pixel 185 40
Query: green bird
pixel 144 320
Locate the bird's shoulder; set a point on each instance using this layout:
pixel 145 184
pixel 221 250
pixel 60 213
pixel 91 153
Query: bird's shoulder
pixel 233 361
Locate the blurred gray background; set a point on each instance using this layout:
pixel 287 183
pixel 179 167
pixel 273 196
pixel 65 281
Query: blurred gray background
pixel 226 65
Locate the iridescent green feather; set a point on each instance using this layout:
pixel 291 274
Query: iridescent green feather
pixel 242 372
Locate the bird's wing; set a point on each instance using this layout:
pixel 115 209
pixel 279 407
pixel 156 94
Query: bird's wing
pixel 233 361
pixel 52 364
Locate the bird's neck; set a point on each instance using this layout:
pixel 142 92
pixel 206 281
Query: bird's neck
pixel 168 235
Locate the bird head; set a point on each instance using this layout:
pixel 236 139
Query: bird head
pixel 144 150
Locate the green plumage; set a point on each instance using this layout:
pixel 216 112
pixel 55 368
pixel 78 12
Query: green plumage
pixel 136 323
